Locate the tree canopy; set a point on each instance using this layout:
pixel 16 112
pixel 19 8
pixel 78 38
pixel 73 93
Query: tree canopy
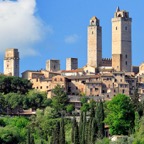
pixel 120 115
pixel 14 84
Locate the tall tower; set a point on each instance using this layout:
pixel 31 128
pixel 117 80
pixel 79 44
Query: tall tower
pixel 94 43
pixel 71 63
pixel 121 41
pixel 11 62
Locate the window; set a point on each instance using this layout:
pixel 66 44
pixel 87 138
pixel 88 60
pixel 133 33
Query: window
pixel 60 79
pixel 46 86
pixel 126 28
pixel 126 56
pixel 40 87
pixel 92 32
pixel 123 91
pixel 116 28
pixel 126 62
pixel 55 79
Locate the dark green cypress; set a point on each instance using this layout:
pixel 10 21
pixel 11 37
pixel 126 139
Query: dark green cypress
pixel 62 132
pixel 73 129
pixel 29 139
pixel 83 129
pixel 56 134
pixel 100 119
pixel 81 126
pixel 76 134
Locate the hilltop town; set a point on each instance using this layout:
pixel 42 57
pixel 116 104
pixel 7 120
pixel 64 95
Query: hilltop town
pixel 100 78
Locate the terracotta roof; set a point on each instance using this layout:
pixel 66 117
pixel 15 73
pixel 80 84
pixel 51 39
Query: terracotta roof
pixel 69 71
pixel 83 77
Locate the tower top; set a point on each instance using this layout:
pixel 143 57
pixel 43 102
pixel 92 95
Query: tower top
pixel 118 9
pixel 94 21
pixel 121 13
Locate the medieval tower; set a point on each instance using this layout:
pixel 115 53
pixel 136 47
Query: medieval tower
pixel 71 63
pixel 11 62
pixel 94 43
pixel 121 41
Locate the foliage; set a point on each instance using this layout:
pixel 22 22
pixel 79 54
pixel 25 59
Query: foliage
pixel 85 105
pixel 70 108
pixel 13 130
pixel 100 119
pixel 14 84
pixel 139 135
pixel 35 99
pixel 103 141
pixel 60 99
pixel 120 115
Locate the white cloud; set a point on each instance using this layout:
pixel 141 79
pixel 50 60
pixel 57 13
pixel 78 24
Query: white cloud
pixel 71 39
pixel 19 27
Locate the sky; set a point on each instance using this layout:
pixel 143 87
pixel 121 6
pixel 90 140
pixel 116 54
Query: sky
pixel 54 29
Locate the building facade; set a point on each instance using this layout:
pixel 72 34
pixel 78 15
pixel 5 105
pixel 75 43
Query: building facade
pixel 11 62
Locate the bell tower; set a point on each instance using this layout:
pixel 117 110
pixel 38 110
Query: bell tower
pixel 121 41
pixel 94 43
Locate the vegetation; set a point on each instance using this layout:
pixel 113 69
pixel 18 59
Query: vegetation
pixel 53 125
pixel 120 115
pixel 14 84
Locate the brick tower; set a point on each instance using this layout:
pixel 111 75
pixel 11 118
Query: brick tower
pixel 94 43
pixel 121 41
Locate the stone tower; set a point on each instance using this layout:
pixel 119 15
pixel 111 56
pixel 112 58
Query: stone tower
pixel 94 43
pixel 121 41
pixel 11 62
pixel 53 65
pixel 71 63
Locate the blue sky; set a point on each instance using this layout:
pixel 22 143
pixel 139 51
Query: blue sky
pixel 58 30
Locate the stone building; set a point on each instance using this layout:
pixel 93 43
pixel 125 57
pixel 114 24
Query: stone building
pixel 94 50
pixel 11 62
pixel 100 77
pixel 71 63
pixel 121 41
pixel 53 65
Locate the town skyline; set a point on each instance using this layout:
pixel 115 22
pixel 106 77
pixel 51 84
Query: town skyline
pixel 66 35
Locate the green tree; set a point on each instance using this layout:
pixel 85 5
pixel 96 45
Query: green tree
pixel 139 134
pixel 60 99
pixel 62 132
pixel 70 108
pixel 76 134
pixel 100 119
pixel 2 104
pixel 14 84
pixel 35 99
pixel 120 115
pixel 14 101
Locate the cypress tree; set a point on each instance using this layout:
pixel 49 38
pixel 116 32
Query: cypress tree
pixel 83 129
pixel 29 139
pixel 73 129
pixel 56 134
pixel 76 134
pixel 81 126
pixel 100 119
pixel 62 132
